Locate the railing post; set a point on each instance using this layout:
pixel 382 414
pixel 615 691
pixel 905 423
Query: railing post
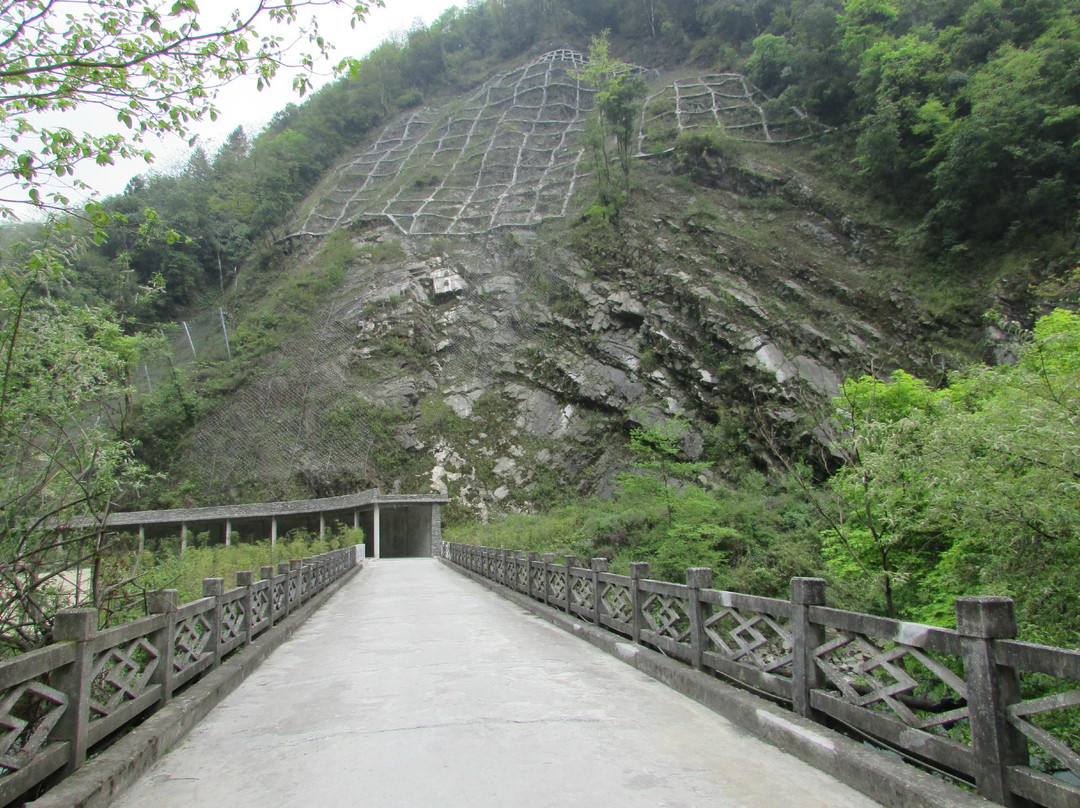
pixel 697 578
pixel 530 559
pixel 246 579
pixel 992 688
pixel 308 574
pixel 296 573
pixel 267 574
pixel 215 588
pixel 165 602
pixel 76 626
pixel 597 565
pixel 805 637
pixel 283 569
pixel 639 570
pixel 571 561
pixel 549 562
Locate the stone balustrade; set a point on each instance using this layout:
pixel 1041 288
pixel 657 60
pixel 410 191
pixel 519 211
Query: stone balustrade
pixel 59 702
pixel 972 703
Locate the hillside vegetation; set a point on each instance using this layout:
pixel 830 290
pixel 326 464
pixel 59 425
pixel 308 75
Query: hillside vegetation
pixel 717 288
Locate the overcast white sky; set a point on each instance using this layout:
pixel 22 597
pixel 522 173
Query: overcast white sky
pixel 241 104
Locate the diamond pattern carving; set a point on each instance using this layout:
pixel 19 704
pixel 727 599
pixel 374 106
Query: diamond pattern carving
pixel 279 596
pixel 260 604
pixel 890 676
pixel 232 620
pixel 667 617
pixel 190 645
pixel 752 638
pixel 28 714
pixel 538 579
pixel 617 602
pixel 558 585
pixel 583 592
pixel 121 674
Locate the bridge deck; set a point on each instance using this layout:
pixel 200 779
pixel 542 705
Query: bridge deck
pixel 416 686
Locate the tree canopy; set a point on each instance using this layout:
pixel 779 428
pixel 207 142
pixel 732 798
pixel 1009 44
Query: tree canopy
pixel 155 66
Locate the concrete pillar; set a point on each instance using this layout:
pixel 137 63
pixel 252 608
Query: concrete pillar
pixel 806 636
pixel 273 531
pixel 356 518
pixel 996 745
pixel 183 537
pixel 377 538
pixel 697 578
pixel 322 526
pixel 228 532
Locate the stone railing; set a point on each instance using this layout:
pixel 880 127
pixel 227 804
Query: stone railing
pixel 58 702
pixel 972 703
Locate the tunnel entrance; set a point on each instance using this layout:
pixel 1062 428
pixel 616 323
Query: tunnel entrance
pixel 404 531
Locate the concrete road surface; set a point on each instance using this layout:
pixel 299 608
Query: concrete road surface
pixel 414 686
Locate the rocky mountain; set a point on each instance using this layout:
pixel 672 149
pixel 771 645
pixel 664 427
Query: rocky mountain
pixel 482 340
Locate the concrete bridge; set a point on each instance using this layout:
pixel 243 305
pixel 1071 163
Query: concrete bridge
pixel 487 677
pixel 416 686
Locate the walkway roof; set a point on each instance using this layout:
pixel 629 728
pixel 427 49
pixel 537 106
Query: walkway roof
pixel 263 510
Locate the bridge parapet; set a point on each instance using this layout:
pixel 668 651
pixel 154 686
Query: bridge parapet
pixel 58 702
pixel 972 703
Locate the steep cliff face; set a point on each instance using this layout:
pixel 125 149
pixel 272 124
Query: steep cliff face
pixel 504 364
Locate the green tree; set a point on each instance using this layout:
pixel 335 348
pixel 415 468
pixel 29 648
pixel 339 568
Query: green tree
pixel 66 456
pixel 619 91
pixel 967 490
pixel 155 68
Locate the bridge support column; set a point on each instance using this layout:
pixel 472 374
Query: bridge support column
pixel 183 537
pixel 273 531
pixel 228 532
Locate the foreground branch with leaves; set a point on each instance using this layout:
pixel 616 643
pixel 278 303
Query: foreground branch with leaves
pixel 155 67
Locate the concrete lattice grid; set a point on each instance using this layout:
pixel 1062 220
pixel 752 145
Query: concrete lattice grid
pixel 508 157
pixel 727 101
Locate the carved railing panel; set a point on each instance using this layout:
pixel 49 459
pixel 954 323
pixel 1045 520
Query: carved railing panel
pixel 233 621
pixel 30 709
pixel 750 638
pixel 558 584
pixel 121 674
pixel 191 644
pixel 618 604
pixel 903 680
pixel 539 575
pixel 1047 715
pixel 666 615
pixel 582 594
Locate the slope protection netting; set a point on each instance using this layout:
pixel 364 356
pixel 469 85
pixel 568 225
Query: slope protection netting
pixel 510 155
pixel 727 101
pixel 507 157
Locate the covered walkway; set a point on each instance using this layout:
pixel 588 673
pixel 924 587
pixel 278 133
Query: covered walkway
pixel 415 686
